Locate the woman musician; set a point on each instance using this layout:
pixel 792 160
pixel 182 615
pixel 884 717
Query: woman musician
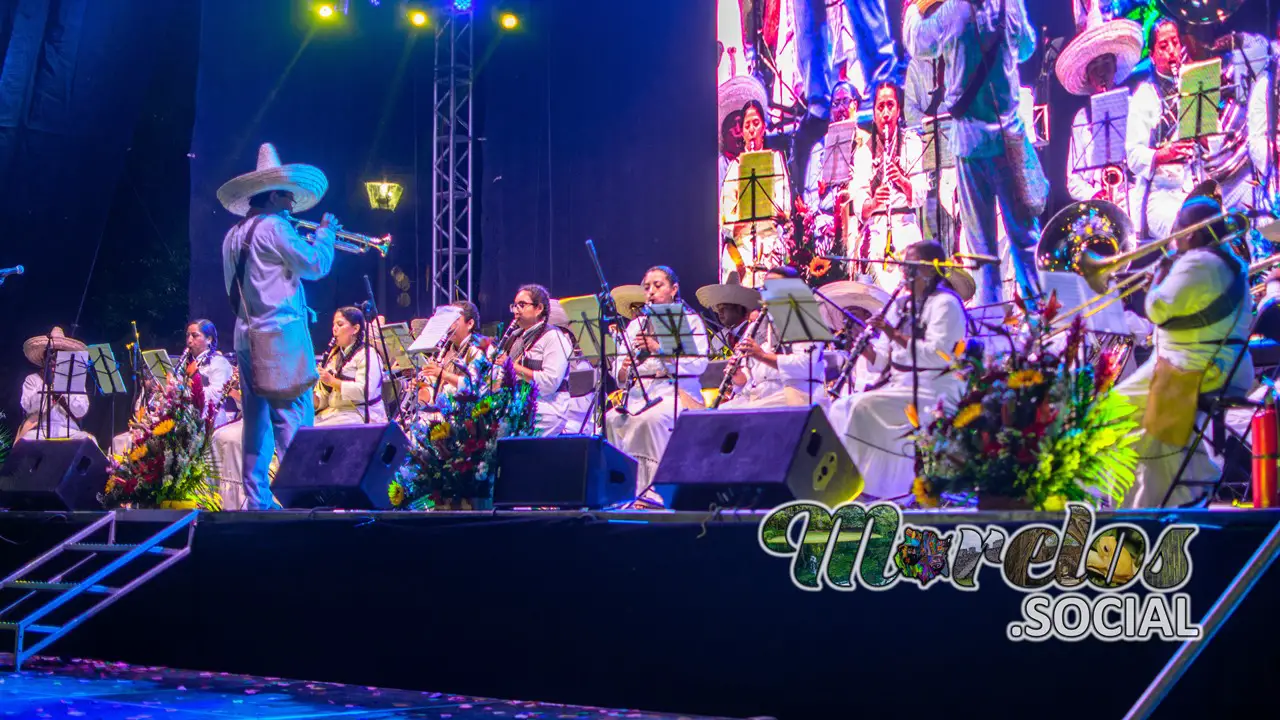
pixel 539 353
pixel 671 384
pixel 455 366
pixel 350 387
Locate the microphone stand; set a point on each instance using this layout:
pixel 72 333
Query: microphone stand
pixel 609 315
pixel 370 315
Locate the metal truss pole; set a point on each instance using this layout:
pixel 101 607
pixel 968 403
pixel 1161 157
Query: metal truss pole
pixel 451 218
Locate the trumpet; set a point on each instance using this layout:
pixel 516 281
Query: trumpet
pixel 1262 266
pixel 346 241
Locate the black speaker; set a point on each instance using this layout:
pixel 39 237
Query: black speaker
pixel 571 471
pixel 53 475
pixel 341 466
pixel 757 458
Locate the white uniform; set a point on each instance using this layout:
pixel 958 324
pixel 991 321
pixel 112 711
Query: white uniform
pixel 798 379
pixel 548 357
pixel 645 436
pixel 1169 183
pixel 875 422
pixel 902 206
pixel 1195 280
pixel 361 390
pixel 58 423
pixel 763 249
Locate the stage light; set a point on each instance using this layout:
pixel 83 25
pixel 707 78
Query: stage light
pixel 325 11
pixel 418 18
pixel 509 21
pixel 384 195
pixel 462 5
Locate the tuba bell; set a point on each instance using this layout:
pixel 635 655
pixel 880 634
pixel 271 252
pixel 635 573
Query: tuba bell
pixel 1082 236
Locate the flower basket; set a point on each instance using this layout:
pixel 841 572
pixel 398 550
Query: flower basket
pixel 450 462
pixel 1035 426
pixel 168 459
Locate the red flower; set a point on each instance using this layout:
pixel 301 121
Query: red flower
pixel 1051 308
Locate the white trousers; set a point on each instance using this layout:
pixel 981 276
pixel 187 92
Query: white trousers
pixel 644 437
pixel 228 455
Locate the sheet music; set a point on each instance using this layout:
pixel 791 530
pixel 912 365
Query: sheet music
pixel 158 362
pixel 943 156
pixel 1109 112
pixel 768 193
pixel 397 338
pixel 671 327
pixel 106 369
pixel 795 311
pixel 1073 292
pixel 437 327
pixel 70 371
pixel 1199 93
pixel 837 152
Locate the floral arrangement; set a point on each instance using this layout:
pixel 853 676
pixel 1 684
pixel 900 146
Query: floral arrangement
pixel 808 243
pixel 168 461
pixel 1035 425
pixel 6 441
pixel 451 453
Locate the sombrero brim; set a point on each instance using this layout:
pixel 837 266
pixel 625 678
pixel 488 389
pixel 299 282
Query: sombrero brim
pixel 709 296
pixel 624 296
pixel 848 294
pixel 307 183
pixel 962 282
pixel 34 348
pixel 557 315
pixel 1122 38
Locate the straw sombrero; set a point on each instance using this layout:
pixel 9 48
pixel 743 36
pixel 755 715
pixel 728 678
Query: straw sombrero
pixel 34 348
pixel 730 292
pixel 624 296
pixel 849 294
pixel 557 315
pixel 308 184
pixel 736 92
pixel 1122 38
pixel 962 282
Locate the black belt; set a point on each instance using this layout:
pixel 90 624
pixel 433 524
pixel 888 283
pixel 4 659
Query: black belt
pixel 907 368
pixel 536 366
pixel 895 211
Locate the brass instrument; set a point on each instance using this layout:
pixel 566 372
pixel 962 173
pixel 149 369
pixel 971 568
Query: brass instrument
pixel 1115 188
pixel 735 363
pixel 346 241
pixel 1259 267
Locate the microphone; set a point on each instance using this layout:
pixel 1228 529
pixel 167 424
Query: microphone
pixel 978 259
pixel 15 270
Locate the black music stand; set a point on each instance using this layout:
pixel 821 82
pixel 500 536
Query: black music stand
pixel 675 336
pixel 794 310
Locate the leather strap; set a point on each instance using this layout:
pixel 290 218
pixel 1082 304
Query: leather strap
pixel 1222 307
pixel 237 288
pixel 960 108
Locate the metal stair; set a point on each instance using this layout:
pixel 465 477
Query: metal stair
pixel 63 589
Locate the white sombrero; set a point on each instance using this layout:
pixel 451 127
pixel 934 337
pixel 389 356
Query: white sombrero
pixel 730 292
pixel 557 315
pixel 1122 38
pixel 849 294
pixel 34 348
pixel 624 296
pixel 306 183
pixel 736 92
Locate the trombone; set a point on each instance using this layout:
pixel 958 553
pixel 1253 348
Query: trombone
pixel 348 241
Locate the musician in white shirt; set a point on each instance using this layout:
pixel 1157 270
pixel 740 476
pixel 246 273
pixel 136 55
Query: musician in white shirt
pixel 671 384
pixel 888 187
pixel 776 375
pixel 1199 303
pixel 540 354
pixel 753 245
pixel 350 387
pixel 50 416
pixel 875 422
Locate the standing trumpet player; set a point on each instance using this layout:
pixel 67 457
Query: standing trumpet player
pixel 264 262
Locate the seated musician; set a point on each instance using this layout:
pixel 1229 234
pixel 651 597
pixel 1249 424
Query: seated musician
pixel 876 421
pixel 775 375
pixel 350 387
pixel 888 187
pixel 819 196
pixel 753 243
pixel 578 413
pixel 1199 303
pixel 456 367
pixel 540 353
pixel 669 384
pixel 50 416
pixel 731 302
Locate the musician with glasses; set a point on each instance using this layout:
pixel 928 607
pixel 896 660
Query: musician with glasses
pixel 539 353
pixel 887 188
pixel 671 384
pixel 1199 302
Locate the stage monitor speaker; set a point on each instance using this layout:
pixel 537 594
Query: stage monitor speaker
pixel 758 458
pixel 569 471
pixel 53 475
pixel 341 466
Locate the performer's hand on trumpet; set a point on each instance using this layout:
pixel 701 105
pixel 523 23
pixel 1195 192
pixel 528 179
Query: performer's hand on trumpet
pixel 330 221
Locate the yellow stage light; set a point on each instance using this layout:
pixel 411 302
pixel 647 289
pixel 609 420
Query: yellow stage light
pixel 325 11
pixel 384 195
pixel 509 21
pixel 418 18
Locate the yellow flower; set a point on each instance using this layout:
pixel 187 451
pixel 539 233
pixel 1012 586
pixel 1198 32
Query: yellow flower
pixel 913 416
pixel 138 453
pixel 396 493
pixel 111 484
pixel 945 357
pixel 164 428
pixel 1054 503
pixel 440 432
pixel 1025 378
pixel 923 490
pixel 959 349
pixel 967 414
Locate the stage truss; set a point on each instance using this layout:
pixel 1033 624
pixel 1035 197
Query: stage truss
pixel 451 159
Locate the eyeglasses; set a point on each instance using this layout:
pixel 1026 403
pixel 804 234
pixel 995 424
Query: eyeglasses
pixel 520 305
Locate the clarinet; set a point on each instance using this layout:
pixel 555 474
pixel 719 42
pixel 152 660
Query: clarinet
pixel 860 344
pixel 735 363
pixel 497 376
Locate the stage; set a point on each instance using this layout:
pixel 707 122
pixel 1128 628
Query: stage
pixel 670 612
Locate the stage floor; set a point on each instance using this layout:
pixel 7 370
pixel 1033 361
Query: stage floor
pixel 117 691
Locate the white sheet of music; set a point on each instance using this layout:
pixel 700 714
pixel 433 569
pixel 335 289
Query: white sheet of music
pixel 1199 88
pixel 1073 292
pixel 437 327
pixel 837 152
pixel 943 155
pixel 70 371
pixel 794 310
pixel 1109 112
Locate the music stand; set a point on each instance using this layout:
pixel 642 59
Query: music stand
pixel 674 333
pixel 837 166
pixel 761 206
pixel 107 376
pixel 584 323
pixel 69 374
pixel 937 155
pixel 797 315
pixel 1199 91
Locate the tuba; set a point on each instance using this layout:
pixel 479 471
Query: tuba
pixel 1082 236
